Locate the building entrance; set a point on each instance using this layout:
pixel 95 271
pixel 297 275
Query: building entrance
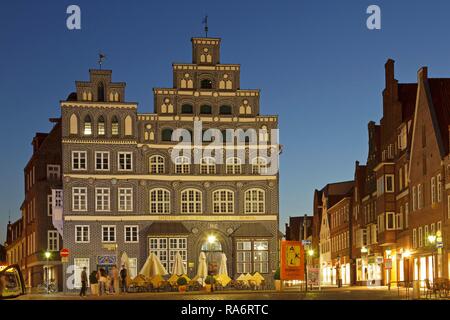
pixel 213 251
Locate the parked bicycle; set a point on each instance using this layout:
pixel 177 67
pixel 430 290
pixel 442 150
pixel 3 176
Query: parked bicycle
pixel 47 287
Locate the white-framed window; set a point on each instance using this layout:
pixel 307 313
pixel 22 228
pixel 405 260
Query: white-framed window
pixel 49 205
pixel 125 199
pixel 102 199
pixel 390 221
pixel 131 234
pixel 166 248
pixel 233 165
pixel 244 256
pixel 102 160
pixel 79 264
pixel 400 179
pixel 159 201
pixel 261 256
pixel 414 198
pixel 433 190
pixel 252 256
pixel 406 215
pixel 406 176
pixel 389 183
pixel 439 188
pixel 425 231
pixel 191 201
pixel 156 164
pixel 419 197
pixel 182 165
pixel 82 234
pixel 399 220
pixel 58 198
pixel 207 165
pixel 125 161
pixel 52 240
pixel 255 201
pixel 433 228
pixel 79 160
pixel 420 237
pixel 79 199
pixel 223 201
pixel 259 165
pixel 439 226
pixel 380 186
pixel 414 238
pixel 53 172
pixel 108 234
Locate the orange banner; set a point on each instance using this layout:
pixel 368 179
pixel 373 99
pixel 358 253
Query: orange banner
pixel 292 261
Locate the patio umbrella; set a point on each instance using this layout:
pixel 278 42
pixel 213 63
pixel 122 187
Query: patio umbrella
pixel 223 265
pixel 202 271
pixel 153 267
pixel 124 261
pixel 178 266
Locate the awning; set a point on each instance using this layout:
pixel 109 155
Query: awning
pixel 252 230
pixel 167 228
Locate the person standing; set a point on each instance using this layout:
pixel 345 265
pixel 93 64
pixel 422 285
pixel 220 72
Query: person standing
pixel 115 279
pixel 83 282
pixel 123 279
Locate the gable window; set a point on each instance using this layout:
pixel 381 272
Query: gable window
pixel 52 240
pixel 49 205
pixel 115 126
pixel 131 234
pixel 156 164
pixel 223 201
pixel 233 166
pixel 87 126
pixel 414 238
pixel 166 135
pixel 159 201
pixel 414 199
pixel 419 197
pixel 79 160
pixel 187 109
pixel 108 233
pixel 82 234
pixel 420 237
pixel 53 172
pixel 182 165
pixel 225 110
pixel 205 109
pixel 125 161
pixel 389 183
pixel 206 84
pixel 255 201
pixel 101 126
pixel 125 199
pixel 439 188
pixel 102 160
pixel 208 166
pixel 191 201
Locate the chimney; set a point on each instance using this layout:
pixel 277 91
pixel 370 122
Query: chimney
pixel 391 83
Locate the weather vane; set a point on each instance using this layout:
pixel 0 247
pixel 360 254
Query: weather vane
pixel 205 22
pixel 101 58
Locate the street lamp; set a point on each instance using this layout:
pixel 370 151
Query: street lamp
pixel 47 255
pixel 432 241
pixel 388 271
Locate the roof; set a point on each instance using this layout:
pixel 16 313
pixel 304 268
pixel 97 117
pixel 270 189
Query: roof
pixel 338 188
pixel 440 97
pixel 407 93
pixel 160 228
pixel 252 230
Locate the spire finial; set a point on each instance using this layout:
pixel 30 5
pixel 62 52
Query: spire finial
pixel 101 58
pixel 205 22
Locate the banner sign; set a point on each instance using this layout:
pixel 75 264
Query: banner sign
pixel 292 261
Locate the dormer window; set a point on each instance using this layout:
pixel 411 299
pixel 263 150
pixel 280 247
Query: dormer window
pixel 206 84
pixel 87 126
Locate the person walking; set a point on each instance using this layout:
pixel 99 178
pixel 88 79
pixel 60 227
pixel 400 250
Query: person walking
pixel 83 282
pixel 123 279
pixel 115 279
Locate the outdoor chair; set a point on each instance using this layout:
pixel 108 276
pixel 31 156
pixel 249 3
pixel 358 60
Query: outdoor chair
pixel 429 289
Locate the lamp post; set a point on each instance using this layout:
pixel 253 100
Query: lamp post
pixel 338 271
pixel 47 256
pixel 310 255
pixel 388 271
pixel 432 241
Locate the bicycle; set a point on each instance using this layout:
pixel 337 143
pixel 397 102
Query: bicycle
pixel 47 287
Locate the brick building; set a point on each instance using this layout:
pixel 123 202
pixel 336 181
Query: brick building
pixel 299 228
pixel 125 191
pixel 33 234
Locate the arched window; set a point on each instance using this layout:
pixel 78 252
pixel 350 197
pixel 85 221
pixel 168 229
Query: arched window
pixel 101 92
pixel 205 109
pixel 101 126
pixel 73 124
pixel 128 126
pixel 223 201
pixel 225 109
pixel 187 109
pixel 182 165
pixel 206 84
pixel 115 126
pixel 208 165
pixel 159 201
pixel 156 164
pixel 212 245
pixel 234 165
pixel 191 201
pixel 259 165
pixel 166 135
pixel 255 201
pixel 87 126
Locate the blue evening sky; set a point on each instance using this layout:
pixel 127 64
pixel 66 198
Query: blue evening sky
pixel 318 66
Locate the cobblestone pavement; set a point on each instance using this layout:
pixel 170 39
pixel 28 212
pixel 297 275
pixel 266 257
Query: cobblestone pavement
pixel 349 293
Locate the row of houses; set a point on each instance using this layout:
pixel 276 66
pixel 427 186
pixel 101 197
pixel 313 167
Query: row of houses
pixel 390 223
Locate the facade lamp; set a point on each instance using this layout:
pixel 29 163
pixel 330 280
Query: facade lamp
pixel 310 252
pixel 431 238
pixel 388 253
pixel 47 254
pixel 406 254
pixel 364 250
pixel 211 239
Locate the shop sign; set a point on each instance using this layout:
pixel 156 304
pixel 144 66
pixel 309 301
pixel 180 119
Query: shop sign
pixel 107 260
pixel 292 261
